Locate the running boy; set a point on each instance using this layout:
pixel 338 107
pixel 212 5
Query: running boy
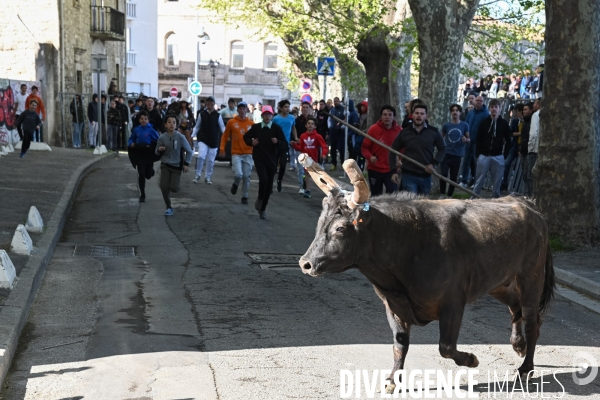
pixel 171 146
pixel 142 144
pixel 27 124
pixel 313 144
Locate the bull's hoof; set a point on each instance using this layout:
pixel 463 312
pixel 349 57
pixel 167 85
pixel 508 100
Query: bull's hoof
pixel 520 349
pixel 524 373
pixel 389 389
pixel 473 361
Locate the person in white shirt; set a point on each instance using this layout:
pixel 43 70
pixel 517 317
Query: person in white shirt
pixel 228 112
pixel 20 99
pixel 533 144
pixel 208 130
pixel 257 115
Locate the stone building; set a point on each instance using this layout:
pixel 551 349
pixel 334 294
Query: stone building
pixel 249 67
pixel 52 42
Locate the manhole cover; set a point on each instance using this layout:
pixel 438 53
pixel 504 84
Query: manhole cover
pixel 274 261
pixel 104 251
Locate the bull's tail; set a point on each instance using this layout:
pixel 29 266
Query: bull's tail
pixel 549 283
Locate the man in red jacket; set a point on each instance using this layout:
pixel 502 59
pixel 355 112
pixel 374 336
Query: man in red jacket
pixel 384 131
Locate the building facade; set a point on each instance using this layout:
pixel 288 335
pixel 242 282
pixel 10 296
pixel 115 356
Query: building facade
pixel 249 67
pixel 53 41
pixel 141 31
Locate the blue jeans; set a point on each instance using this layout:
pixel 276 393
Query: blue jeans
pixel 416 184
pixel 241 165
pixel 508 164
pixel 77 129
pixel 469 162
pixel 485 164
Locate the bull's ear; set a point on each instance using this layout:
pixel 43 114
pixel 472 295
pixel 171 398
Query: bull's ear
pixel 361 216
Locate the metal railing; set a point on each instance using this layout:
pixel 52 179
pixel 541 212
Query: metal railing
pixel 107 20
pixel 130 59
pixel 131 10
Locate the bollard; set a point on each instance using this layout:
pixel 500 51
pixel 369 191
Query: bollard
pixel 21 242
pixel 34 223
pixel 7 271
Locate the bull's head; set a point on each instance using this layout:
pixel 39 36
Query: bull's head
pixel 336 243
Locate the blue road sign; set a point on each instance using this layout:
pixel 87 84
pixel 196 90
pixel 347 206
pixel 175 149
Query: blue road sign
pixel 326 66
pixel 195 88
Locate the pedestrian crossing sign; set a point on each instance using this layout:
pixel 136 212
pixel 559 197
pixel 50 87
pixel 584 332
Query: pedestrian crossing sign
pixel 326 66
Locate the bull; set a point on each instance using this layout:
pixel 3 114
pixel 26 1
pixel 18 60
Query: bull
pixel 428 258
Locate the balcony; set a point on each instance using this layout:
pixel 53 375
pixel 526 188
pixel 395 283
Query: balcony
pixel 130 59
pixel 107 24
pixel 131 10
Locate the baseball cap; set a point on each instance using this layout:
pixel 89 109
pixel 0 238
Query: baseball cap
pixel 267 109
pixel 242 104
pixel 210 98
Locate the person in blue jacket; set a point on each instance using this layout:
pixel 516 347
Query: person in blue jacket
pixel 142 144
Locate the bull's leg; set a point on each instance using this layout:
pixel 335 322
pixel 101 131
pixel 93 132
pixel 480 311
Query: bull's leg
pixel 450 321
pixel 532 333
pixel 516 338
pixel 401 331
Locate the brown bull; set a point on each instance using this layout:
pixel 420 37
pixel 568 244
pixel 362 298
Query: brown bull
pixel 428 258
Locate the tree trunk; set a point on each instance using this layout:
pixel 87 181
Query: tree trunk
pixel 442 26
pixel 400 61
pixel 373 53
pixel 566 175
pixel 352 75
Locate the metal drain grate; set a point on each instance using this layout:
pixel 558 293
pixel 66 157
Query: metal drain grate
pixel 275 262
pixel 104 251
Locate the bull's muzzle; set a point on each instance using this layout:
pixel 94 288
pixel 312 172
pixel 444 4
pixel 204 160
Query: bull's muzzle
pixel 306 266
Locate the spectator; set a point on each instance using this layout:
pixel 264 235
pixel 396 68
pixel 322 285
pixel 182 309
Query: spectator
pixel 287 124
pixel 322 119
pixel 455 134
pixel 357 139
pixel 354 120
pixel 209 127
pixel 93 119
pixel 419 142
pixel 163 108
pixel 153 114
pixel 493 146
pixel 337 133
pixel 40 110
pixel 125 120
pixel 257 115
pixel 300 124
pixel 114 122
pixel 103 122
pixel 21 100
pixel 228 112
pixel 515 127
pixel 28 122
pixel 380 172
pixel 533 144
pixel 171 146
pixel 540 81
pixel 186 120
pixel 474 118
pixel 241 153
pixel 265 138
pixel 76 109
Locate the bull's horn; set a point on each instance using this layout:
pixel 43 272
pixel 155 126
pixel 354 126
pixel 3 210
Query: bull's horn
pixel 361 188
pixel 323 181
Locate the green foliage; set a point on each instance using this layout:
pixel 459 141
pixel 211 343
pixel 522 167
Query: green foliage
pixel 556 244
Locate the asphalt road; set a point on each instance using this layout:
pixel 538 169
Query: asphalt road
pixel 192 316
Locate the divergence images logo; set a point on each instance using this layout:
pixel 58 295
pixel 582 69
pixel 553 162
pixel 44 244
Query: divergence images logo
pixel 586 368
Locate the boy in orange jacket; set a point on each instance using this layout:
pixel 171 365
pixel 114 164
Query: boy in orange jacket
pixel 313 144
pixel 241 153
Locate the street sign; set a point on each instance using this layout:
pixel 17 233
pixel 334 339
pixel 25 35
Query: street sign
pixel 306 85
pixel 195 88
pixel 326 66
pixel 306 97
pixel 174 92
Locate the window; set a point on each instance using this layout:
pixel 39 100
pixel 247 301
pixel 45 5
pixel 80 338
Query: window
pixel 271 55
pixel 172 58
pixel 237 55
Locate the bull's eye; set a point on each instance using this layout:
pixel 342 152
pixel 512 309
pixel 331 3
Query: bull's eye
pixel 340 229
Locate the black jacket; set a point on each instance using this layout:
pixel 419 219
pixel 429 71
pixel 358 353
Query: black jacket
pixel 155 119
pixel 493 138
pixel 265 152
pixel 80 116
pixel 524 146
pixel 123 109
pixel 93 111
pixel 209 131
pixel 419 146
pixel 27 122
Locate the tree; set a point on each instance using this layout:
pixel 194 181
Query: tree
pixel 567 172
pixel 441 30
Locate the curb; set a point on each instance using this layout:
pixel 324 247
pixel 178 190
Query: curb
pixel 16 309
pixel 580 284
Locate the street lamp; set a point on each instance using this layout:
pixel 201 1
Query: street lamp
pixel 202 37
pixel 213 65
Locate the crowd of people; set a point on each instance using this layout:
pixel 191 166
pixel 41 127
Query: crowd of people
pixel 513 86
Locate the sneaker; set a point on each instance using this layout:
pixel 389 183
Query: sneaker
pixel 142 198
pixel 292 168
pixel 301 191
pixel 244 200
pixel 22 155
pixel 279 186
pixel 234 188
pixel 196 179
pixel 443 197
pixel 462 184
pixel 208 181
pixel 307 194
pixel 169 212
pixel 263 215
pixel 333 168
pixel 258 204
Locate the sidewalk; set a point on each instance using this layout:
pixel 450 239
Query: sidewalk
pixel 49 181
pixel 579 269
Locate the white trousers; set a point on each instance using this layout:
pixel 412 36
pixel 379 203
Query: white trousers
pixel 207 154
